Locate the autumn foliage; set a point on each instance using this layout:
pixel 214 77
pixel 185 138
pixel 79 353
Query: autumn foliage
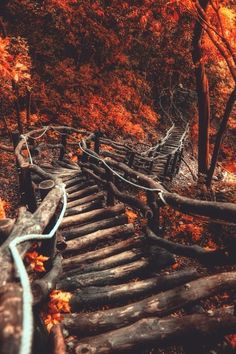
pixel 57 305
pixel 105 64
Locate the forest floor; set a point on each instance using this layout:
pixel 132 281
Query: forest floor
pixel 183 229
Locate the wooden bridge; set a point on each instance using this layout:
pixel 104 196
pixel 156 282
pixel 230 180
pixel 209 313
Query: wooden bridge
pixel 124 295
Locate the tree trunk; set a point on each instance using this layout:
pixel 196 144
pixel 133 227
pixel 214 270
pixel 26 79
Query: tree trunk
pixel 202 89
pixel 220 134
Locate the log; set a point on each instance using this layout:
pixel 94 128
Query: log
pixel 70 162
pixel 159 305
pixel 160 332
pixel 83 193
pixel 61 242
pixel 156 258
pixel 100 253
pixel 10 318
pixel 48 247
pixel 94 204
pixel 133 202
pixel 84 200
pixel 216 257
pixel 215 210
pixel 93 215
pixel 26 187
pixel 42 287
pixel 41 173
pixel 66 165
pixel 95 226
pixel 92 175
pixel 45 187
pixel 98 171
pixel 120 294
pixel 58 340
pixel 78 186
pixel 99 236
pixel 74 180
pixel 26 224
pixel 109 262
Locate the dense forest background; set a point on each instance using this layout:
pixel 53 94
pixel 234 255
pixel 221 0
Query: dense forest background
pixel 128 68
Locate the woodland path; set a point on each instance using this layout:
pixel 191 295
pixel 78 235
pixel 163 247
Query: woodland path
pixel 124 295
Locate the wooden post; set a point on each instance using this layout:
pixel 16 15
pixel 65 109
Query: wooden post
pixel 27 190
pixel 179 161
pixel 63 148
pixel 110 194
pixel 130 161
pixel 45 187
pixel 85 157
pixel 174 164
pixel 166 170
pixel 150 167
pixel 48 247
pixel 97 142
pixel 6 226
pixel 154 222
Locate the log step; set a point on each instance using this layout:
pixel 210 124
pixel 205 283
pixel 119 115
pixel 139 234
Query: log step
pixel 120 294
pixel 83 242
pixel 93 215
pixel 83 192
pixel 117 274
pixel 159 332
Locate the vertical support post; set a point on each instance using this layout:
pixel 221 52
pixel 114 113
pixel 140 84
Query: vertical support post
pixel 166 170
pixel 174 163
pixel 153 223
pixel 179 161
pixel 63 148
pixel 97 142
pixel 130 161
pixel 85 157
pixel 96 146
pixel 27 190
pixel 48 247
pixel 150 167
pixel 110 195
